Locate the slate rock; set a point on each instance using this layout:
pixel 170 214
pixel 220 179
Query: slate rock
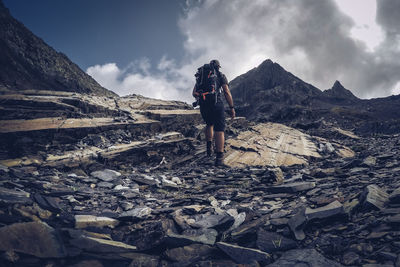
pixel 105 185
pixel 33 238
pixel 249 227
pixel 292 187
pixel 394 197
pixel 296 224
pixel 394 219
pixel 217 221
pixel 271 242
pixel 243 255
pixel 145 179
pixel 351 258
pixel 136 213
pixel 85 263
pixel 10 196
pixel 205 236
pixel 332 209
pixel 303 257
pixel 369 161
pixel 143 260
pixel 83 221
pixel 106 175
pixel 374 197
pixel 189 253
pixel 99 245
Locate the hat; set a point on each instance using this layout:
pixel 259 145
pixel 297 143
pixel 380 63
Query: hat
pixel 215 63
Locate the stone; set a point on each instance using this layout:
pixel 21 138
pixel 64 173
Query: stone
pixel 249 227
pixel 85 263
pixel 106 175
pixel 121 187
pixel 145 179
pixel 350 206
pixel 99 245
pixel 9 196
pixel 136 213
pixel 273 175
pixel 206 236
pixel 394 219
pixel 303 257
pixel 83 221
pixel 351 258
pixel 142 260
pixel 292 187
pixel 369 161
pixel 239 218
pixel 271 242
pixel 189 253
pixel 296 224
pixel 394 197
pixel 243 255
pixel 105 185
pixel 33 238
pixel 332 209
pixel 176 180
pixel 374 197
pixel 214 221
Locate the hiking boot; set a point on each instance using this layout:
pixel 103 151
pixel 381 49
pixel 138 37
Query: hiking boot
pixel 219 160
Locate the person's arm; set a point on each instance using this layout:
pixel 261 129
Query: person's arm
pixel 229 99
pixel 194 94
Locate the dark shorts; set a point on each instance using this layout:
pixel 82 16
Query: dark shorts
pixel 214 115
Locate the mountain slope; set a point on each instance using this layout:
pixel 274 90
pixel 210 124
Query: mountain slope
pixel 28 63
pixel 270 93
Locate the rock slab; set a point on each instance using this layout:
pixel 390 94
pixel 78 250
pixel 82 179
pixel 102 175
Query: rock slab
pixel 303 257
pixel 33 238
pixel 332 209
pixel 243 255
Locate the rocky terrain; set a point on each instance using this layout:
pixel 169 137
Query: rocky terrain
pixel 88 178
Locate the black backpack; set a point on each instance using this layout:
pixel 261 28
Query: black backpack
pixel 206 84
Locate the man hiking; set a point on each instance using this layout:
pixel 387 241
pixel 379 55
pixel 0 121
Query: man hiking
pixel 207 91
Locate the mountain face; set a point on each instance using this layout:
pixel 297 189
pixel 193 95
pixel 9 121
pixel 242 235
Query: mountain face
pixel 340 93
pixel 28 63
pixel 258 91
pixel 270 93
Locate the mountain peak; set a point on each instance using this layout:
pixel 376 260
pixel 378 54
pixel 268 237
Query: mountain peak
pixel 340 92
pixel 338 86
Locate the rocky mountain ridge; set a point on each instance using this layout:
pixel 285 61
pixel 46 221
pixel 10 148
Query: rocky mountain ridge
pixel 270 93
pixel 28 63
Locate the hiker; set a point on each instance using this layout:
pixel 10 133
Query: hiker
pixel 208 93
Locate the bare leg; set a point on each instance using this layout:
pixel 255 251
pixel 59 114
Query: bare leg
pixel 209 132
pixel 219 141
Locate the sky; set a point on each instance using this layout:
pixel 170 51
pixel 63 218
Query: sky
pixel 153 47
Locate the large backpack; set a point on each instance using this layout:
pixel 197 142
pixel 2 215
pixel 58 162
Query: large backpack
pixel 206 84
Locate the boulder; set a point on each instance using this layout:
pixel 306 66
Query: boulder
pixel 33 238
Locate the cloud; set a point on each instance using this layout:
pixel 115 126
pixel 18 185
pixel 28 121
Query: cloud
pixel 313 39
pixel 137 79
